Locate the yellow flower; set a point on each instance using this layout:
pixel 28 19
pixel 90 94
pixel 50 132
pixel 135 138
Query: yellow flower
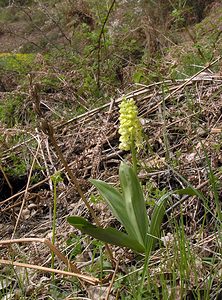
pixel 130 128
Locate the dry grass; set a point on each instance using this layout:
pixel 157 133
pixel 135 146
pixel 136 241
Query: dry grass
pixel 178 118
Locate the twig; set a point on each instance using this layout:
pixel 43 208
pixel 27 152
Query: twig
pixel 99 42
pixel 43 33
pixel 112 281
pixel 88 279
pixel 186 196
pixel 48 15
pixel 26 192
pixel 45 241
pixel 46 168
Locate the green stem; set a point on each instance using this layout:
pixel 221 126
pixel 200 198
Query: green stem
pixel 54 226
pixel 134 159
pixel 146 262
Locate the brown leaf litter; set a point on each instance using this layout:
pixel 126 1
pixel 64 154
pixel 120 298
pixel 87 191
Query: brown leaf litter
pixel 179 118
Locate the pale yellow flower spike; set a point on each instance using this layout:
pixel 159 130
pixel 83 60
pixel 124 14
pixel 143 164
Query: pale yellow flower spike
pixel 130 128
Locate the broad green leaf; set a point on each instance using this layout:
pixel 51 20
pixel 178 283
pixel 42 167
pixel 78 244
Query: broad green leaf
pixel 156 220
pixel 116 203
pixel 137 77
pixel 134 203
pixel 107 235
pixel 190 191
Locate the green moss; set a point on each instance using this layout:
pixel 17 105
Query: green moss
pixel 17 166
pixel 14 112
pixel 20 62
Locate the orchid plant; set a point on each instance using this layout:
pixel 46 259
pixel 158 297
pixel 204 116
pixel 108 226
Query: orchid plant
pixel 128 203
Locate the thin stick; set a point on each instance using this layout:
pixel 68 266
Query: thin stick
pixel 26 192
pixel 90 280
pixel 112 281
pixel 45 241
pixel 99 42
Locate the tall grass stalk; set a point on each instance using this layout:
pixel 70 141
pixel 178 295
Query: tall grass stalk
pixel 56 178
pixel 214 186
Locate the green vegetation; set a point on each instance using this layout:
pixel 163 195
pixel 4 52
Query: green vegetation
pixel 18 63
pixel 14 111
pixel 161 217
pixel 130 210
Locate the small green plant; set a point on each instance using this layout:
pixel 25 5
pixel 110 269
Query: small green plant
pixel 14 111
pixel 9 110
pixel 74 242
pixel 17 167
pixel 19 62
pixel 128 206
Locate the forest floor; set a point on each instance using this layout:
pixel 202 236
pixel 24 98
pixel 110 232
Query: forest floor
pixel 182 130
